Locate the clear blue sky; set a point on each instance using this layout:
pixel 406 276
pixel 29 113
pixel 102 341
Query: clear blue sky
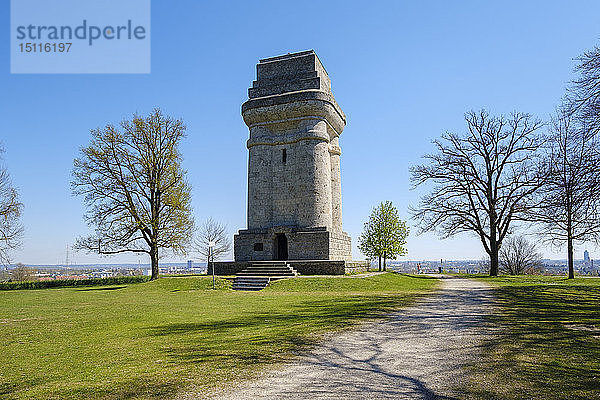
pixel 403 72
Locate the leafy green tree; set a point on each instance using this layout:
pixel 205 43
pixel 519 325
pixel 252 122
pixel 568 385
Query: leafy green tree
pixel 384 235
pixel 135 188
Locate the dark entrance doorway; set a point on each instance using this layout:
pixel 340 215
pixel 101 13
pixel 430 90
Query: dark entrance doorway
pixel 281 247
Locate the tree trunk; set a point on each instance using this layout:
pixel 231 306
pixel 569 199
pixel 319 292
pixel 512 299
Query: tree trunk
pixel 494 262
pixel 493 251
pixel 380 263
pixel 570 256
pixel 154 262
pixel 384 259
pixel 570 241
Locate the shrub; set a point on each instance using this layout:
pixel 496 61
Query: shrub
pixel 116 280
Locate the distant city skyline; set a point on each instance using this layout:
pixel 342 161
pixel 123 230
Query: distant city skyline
pixel 404 73
pixel 197 261
pixel 85 271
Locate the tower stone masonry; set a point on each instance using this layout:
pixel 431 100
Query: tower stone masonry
pixel 294 184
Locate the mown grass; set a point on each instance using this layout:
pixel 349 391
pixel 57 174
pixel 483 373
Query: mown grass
pixel 152 340
pixel 548 346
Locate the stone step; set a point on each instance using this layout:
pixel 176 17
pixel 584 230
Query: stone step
pixel 247 287
pixel 250 283
pixel 267 270
pixel 263 273
pixel 270 266
pixel 251 279
pixel 283 263
pixel 258 275
pixel 259 284
pixel 261 279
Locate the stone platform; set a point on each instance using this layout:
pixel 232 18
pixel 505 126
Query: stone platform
pixel 303 267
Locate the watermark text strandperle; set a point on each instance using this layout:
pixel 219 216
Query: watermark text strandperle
pixel 81 32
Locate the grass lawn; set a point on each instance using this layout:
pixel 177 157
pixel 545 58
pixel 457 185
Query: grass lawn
pixel 152 340
pixel 549 343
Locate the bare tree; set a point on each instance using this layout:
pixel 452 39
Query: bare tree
pixel 11 230
pixel 519 256
pixel 4 275
pixel 569 206
pixel 484 264
pixel 584 94
pixel 483 181
pixel 21 273
pixel 212 234
pixel 135 188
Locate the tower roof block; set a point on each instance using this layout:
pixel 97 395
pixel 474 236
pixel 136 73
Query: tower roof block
pixel 292 78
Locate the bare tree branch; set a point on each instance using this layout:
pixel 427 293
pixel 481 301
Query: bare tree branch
pixel 583 98
pixel 483 181
pixel 11 229
pixel 212 232
pixel 568 209
pixel 519 256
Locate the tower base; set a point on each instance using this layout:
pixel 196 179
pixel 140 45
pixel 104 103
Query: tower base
pixel 289 243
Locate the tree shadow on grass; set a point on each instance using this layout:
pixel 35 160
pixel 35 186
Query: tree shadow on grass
pixel 140 387
pixel 101 288
pixel 290 330
pixel 540 343
pixel 261 337
pixel 346 311
pixel 418 276
pixel 351 376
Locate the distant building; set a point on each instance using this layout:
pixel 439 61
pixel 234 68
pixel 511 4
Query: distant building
pixel 586 256
pixel 190 264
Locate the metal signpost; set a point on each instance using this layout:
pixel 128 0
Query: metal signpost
pixel 211 244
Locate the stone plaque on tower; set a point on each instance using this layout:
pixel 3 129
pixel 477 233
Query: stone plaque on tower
pixel 294 186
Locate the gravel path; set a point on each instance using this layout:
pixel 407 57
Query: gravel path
pixel 416 354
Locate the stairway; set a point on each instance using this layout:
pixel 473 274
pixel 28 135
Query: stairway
pixel 258 275
pixel 250 282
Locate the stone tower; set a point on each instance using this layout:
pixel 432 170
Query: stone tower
pixel 294 186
